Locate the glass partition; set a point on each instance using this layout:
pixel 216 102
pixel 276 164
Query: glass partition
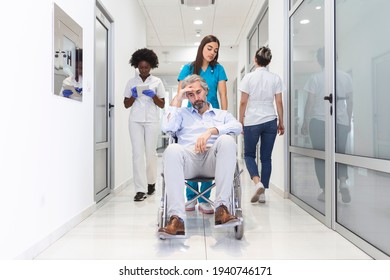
pixel 307 77
pixel 362 118
pixel 363 70
pixel 305 183
pixel 307 106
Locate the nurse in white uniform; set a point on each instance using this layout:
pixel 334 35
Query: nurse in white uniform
pixel 144 95
pixel 260 90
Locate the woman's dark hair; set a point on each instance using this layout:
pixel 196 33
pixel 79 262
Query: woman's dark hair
pixel 144 55
pixel 197 64
pixel 263 56
pixel 79 63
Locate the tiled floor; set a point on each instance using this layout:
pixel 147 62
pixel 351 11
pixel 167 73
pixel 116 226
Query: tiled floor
pixel 276 230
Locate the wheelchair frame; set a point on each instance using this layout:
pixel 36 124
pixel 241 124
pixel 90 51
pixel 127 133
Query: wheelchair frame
pixel 234 206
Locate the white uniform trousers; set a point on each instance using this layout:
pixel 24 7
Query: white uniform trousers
pixel 182 163
pixel 143 137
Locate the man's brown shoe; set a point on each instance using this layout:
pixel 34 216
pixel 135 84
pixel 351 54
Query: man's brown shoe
pixel 174 229
pixel 224 219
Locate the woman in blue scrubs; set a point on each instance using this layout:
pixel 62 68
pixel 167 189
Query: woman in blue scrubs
pixel 206 65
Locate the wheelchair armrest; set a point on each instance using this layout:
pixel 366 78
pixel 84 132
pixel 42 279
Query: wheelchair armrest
pixel 172 138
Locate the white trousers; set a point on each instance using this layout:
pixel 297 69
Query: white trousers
pixel 143 138
pixel 182 163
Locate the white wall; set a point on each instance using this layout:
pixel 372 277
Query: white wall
pixel 47 143
pixel 278 45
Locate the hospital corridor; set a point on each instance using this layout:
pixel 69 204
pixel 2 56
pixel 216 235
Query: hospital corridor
pixel 275 230
pixel 89 87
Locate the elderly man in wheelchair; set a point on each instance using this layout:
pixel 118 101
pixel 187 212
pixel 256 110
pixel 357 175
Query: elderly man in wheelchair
pixel 203 149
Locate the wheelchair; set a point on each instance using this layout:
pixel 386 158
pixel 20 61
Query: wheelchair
pixel 234 205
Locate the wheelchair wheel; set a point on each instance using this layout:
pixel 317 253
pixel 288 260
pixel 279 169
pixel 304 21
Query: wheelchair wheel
pixel 239 229
pixel 160 217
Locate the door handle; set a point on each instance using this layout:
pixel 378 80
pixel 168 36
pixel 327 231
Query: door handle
pixel 109 107
pixel 329 98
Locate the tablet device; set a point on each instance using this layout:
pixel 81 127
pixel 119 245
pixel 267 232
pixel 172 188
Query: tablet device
pixel 140 89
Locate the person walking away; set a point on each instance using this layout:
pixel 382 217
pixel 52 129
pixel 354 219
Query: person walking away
pixel 260 90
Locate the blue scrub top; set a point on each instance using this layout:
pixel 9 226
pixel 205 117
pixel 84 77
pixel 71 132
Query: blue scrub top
pixel 212 76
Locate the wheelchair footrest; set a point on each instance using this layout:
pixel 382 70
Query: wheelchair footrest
pixel 230 224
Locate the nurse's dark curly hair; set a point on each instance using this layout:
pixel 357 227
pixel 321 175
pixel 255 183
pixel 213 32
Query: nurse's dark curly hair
pixel 144 55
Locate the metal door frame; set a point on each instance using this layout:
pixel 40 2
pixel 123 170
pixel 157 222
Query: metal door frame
pixel 102 15
pixel 328 154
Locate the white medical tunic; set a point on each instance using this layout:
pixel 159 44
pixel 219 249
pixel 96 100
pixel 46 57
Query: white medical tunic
pixel 261 86
pixel 143 108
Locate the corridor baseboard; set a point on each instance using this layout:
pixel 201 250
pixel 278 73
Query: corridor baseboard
pixel 40 246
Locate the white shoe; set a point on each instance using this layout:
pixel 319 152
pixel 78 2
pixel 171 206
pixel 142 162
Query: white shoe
pixel 262 197
pixel 191 206
pixel 205 208
pixel 260 191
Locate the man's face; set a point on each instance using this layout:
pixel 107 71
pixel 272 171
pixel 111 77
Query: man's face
pixel 197 96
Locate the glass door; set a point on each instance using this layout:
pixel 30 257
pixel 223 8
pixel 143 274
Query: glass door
pixel 362 131
pixel 309 112
pixel 339 152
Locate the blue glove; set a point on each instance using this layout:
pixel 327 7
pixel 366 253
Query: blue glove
pixel 149 92
pixel 67 92
pixel 134 92
pixel 79 89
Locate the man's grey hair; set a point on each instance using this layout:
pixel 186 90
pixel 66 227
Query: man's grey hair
pixel 195 78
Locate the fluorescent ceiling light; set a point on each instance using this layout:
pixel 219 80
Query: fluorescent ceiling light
pixel 304 21
pixel 198 21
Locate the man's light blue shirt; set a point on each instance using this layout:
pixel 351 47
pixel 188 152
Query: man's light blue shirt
pixel 188 124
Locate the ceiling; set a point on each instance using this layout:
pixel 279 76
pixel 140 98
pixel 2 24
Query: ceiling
pixel 170 28
pixel 170 23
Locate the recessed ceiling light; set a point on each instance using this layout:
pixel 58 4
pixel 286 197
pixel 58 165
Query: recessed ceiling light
pixel 304 21
pixel 197 8
pixel 318 8
pixel 198 21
